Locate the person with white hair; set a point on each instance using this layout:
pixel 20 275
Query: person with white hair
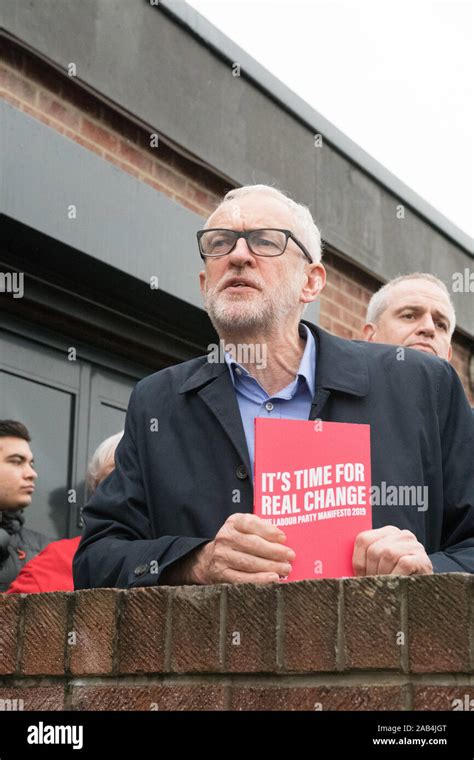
pixel 415 311
pixel 178 508
pixel 51 569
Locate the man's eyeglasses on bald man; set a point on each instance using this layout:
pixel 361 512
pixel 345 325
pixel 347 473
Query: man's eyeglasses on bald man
pixel 215 242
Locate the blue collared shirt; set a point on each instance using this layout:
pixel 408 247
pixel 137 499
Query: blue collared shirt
pixel 291 403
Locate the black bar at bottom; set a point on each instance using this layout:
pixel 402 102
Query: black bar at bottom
pixel 375 734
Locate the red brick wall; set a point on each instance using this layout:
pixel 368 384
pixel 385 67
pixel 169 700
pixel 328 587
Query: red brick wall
pixel 59 102
pixel 380 643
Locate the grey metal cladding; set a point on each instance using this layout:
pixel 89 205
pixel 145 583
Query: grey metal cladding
pixel 119 220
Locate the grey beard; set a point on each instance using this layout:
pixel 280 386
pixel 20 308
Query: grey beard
pixel 250 321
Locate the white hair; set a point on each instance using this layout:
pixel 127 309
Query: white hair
pixel 305 228
pixel 380 300
pixel 103 452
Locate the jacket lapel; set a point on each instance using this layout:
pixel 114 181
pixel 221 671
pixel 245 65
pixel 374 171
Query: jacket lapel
pixel 217 392
pixel 340 366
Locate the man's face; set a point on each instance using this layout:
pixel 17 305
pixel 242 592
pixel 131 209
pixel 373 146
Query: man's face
pixel 418 316
pixel 274 287
pixel 17 476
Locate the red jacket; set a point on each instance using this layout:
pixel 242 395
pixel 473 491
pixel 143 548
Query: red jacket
pixel 50 570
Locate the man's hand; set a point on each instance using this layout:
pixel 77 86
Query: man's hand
pixel 390 551
pixel 245 550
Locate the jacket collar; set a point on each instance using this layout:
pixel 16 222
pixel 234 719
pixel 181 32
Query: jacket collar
pixel 12 520
pixel 341 366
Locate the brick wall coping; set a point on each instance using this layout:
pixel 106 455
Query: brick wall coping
pixel 369 643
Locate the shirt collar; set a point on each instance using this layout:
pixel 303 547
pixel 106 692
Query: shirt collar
pixel 307 363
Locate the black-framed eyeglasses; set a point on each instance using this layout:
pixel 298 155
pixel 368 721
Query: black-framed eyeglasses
pixel 216 242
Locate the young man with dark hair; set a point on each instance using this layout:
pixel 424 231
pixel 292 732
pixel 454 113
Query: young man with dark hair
pixel 17 484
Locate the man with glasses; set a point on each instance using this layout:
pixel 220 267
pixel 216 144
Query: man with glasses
pixel 178 507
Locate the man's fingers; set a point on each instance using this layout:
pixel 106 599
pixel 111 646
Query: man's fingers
pixel 248 563
pixel 262 547
pixel 248 523
pixel 390 556
pixel 413 565
pixel 362 543
pixel 234 576
pixel 387 551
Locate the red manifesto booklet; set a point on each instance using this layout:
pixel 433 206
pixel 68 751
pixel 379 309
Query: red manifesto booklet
pixel 312 480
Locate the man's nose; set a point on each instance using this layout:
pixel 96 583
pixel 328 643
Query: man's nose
pixel 31 472
pixel 241 254
pixel 426 325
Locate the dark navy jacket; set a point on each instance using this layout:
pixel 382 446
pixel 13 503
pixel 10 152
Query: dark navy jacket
pixel 184 455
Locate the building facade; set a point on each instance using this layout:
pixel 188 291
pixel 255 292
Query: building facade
pixel 122 124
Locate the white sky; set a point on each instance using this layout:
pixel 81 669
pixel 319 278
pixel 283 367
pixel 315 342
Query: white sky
pixel 395 77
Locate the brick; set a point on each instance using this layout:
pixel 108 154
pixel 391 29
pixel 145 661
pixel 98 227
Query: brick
pixel 94 626
pixel 309 625
pixel 342 331
pixel 332 288
pixel 337 291
pixel 455 698
pixel 39 115
pixel 85 143
pixel 153 698
pixel 99 135
pixel 192 206
pixel 199 196
pixel 126 167
pixel 438 623
pixel 250 639
pixel 372 622
pixel 271 698
pixel 18 85
pixel 195 625
pixel 129 153
pixel 9 615
pixel 335 294
pixel 58 110
pixel 333 280
pixel 8 98
pixel 159 187
pixel 44 634
pixel 169 178
pixel 323 698
pixel 205 200
pixel 351 320
pixel 142 630
pixel 325 322
pixel 354 290
pixel 35 697
pixel 331 309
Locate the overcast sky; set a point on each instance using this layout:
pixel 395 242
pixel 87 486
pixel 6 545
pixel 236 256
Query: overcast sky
pixel 395 77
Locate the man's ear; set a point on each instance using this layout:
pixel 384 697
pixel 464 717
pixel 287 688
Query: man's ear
pixel 202 281
pixel 368 331
pixel 316 280
pixel 450 352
